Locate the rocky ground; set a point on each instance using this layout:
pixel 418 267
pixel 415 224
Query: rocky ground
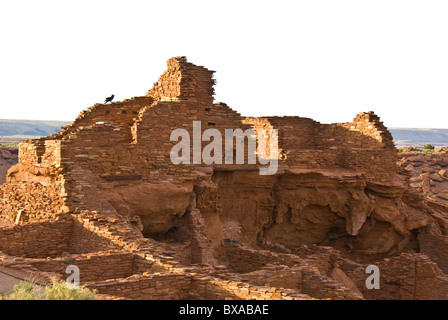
pixel 428 173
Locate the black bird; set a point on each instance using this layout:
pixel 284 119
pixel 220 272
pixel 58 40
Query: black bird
pixel 109 99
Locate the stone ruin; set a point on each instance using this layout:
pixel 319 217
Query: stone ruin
pixel 103 194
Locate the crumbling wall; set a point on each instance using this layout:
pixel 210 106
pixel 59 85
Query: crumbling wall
pixel 209 288
pixel 409 276
pixel 120 112
pixel 184 81
pixel 36 240
pixel 31 151
pixel 377 156
pixel 30 201
pixel 363 145
pixel 35 186
pixel 86 238
pixel 369 124
pixel 168 286
pixel 241 259
pixel 92 266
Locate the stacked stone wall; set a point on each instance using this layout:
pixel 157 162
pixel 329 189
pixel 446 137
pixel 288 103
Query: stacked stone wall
pixel 36 240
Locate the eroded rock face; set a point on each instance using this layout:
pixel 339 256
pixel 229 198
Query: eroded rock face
pixel 24 172
pixel 160 206
pixel 322 201
pixel 8 158
pixel 302 207
pixel 293 208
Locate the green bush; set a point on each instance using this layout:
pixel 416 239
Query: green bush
pixel 9 145
pixel 428 147
pixel 58 290
pixel 23 291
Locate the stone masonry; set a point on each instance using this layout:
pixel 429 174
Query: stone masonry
pixel 104 195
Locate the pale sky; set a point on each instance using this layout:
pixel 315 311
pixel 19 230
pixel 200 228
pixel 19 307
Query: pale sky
pixel 325 60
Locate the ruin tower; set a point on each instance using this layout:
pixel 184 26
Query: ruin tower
pixel 184 81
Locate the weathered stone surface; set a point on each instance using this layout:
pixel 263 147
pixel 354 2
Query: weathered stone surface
pixel 160 206
pixel 104 193
pixel 8 158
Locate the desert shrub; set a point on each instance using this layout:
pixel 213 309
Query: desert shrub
pixel 428 147
pixel 58 290
pixel 9 145
pixel 23 291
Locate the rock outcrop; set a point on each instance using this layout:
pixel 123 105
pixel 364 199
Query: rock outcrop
pixel 8 158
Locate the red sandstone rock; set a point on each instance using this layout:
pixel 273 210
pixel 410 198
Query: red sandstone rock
pixel 8 157
pixel 160 206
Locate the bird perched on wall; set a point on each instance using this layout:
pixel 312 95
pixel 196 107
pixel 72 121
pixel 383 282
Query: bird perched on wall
pixel 109 99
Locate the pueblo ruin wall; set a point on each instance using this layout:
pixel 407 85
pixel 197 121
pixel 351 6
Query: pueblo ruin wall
pixel 337 185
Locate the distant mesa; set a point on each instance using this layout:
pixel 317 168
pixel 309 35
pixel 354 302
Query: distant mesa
pixel 419 137
pixel 29 128
pixel 402 137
